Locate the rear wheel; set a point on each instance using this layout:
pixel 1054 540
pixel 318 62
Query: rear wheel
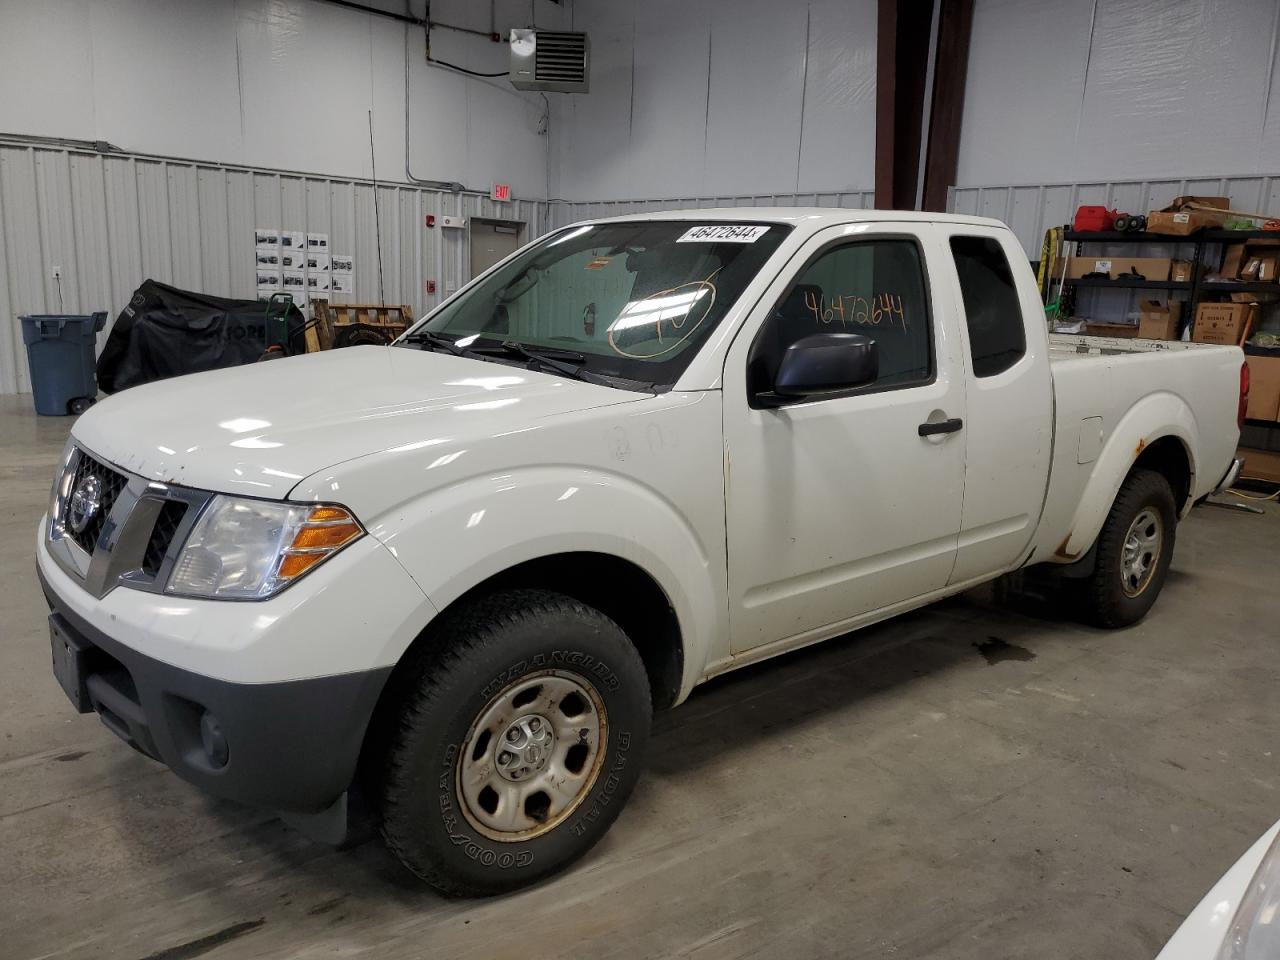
pixel 1135 548
pixel 519 738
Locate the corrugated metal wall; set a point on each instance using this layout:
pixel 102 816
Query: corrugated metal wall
pixel 111 221
pixel 564 212
pixel 1031 209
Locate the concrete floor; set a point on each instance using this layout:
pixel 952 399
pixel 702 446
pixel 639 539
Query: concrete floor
pixel 964 782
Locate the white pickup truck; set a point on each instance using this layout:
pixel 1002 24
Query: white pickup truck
pixel 457 574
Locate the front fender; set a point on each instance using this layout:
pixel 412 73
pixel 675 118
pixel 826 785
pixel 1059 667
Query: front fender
pixel 1156 416
pixel 456 537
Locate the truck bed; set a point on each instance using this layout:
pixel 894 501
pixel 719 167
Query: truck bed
pixel 1101 384
pixel 1071 346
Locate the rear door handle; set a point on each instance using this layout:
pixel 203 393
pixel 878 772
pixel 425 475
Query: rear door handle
pixel 942 426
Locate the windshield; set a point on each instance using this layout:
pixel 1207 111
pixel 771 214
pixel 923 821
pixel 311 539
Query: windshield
pixel 631 302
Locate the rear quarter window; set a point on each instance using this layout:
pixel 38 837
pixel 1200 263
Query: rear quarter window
pixel 992 310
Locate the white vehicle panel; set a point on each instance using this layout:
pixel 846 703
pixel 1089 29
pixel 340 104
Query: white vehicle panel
pixel 1200 935
pixel 808 547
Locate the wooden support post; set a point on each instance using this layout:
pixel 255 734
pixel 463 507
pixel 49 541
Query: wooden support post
pixel 902 52
pixel 950 69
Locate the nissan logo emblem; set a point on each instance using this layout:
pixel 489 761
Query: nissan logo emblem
pixel 86 501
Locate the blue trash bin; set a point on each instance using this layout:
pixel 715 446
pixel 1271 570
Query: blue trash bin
pixel 61 357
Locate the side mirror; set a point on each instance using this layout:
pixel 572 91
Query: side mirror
pixel 826 363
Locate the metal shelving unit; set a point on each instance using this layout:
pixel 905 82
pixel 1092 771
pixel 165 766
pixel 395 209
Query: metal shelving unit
pixel 1196 287
pixel 1135 284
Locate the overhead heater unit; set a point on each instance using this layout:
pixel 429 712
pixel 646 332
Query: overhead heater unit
pixel 550 60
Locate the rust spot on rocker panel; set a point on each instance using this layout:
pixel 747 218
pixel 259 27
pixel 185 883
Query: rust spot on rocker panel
pixel 1062 550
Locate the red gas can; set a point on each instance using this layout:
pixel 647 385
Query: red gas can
pixel 1095 218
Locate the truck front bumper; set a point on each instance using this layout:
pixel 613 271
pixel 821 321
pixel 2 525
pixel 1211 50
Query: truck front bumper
pixel 263 702
pixel 290 746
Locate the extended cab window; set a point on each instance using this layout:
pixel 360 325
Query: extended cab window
pixel 872 287
pixel 992 310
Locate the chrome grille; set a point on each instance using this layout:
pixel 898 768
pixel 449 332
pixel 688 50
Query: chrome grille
pixel 133 537
pixel 162 534
pixel 112 483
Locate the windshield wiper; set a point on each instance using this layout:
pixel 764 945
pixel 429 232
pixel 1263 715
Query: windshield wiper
pixel 567 362
pixel 570 363
pixel 435 340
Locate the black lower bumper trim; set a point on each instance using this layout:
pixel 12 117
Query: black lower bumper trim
pixel 290 746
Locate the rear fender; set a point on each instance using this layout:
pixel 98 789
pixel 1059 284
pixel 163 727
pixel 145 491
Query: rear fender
pixel 1156 416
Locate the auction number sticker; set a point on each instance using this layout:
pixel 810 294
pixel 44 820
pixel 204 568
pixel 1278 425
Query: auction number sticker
pixel 723 233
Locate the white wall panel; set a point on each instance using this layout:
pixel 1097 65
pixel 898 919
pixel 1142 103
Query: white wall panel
pixel 1146 88
pixel 720 97
pixel 566 212
pixel 112 221
pixel 1030 210
pixel 758 56
pixel 284 84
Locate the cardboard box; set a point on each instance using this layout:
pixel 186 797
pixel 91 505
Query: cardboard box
pixel 1179 220
pixel 1149 268
pixel 1232 261
pixel 1222 322
pixel 1249 271
pixel 1264 388
pixel 1267 268
pixel 1125 331
pixel 1259 464
pixel 1181 270
pixel 1160 321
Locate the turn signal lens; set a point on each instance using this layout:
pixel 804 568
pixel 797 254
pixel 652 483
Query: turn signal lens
pixel 328 514
pixel 295 565
pixel 325 531
pixel 333 534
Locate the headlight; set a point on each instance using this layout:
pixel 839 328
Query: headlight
pixel 251 549
pixel 1254 933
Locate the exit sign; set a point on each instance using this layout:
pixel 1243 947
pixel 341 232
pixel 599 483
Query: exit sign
pixel 500 191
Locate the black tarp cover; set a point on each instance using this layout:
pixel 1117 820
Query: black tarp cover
pixel 164 332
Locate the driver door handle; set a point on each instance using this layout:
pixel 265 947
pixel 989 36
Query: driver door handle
pixel 942 426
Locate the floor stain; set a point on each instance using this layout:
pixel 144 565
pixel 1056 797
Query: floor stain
pixel 995 650
pixel 324 906
pixel 73 755
pixel 202 945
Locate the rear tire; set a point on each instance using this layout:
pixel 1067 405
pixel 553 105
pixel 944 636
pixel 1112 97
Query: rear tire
pixel 519 738
pixel 1135 548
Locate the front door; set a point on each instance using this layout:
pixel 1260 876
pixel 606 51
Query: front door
pixel 838 506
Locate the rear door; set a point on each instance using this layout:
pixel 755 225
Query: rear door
pixel 1008 431
pixel 838 506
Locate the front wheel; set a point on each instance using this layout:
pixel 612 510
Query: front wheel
pixel 1135 548
pixel 518 741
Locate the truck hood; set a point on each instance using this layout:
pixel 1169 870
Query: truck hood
pixel 259 429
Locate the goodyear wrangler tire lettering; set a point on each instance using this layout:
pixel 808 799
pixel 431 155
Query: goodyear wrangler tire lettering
pixel 480 657
pixel 596 668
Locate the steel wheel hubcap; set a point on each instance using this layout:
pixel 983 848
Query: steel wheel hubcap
pixel 531 755
pixel 1141 552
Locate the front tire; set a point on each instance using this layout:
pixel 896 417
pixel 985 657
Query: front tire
pixel 519 739
pixel 1135 548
